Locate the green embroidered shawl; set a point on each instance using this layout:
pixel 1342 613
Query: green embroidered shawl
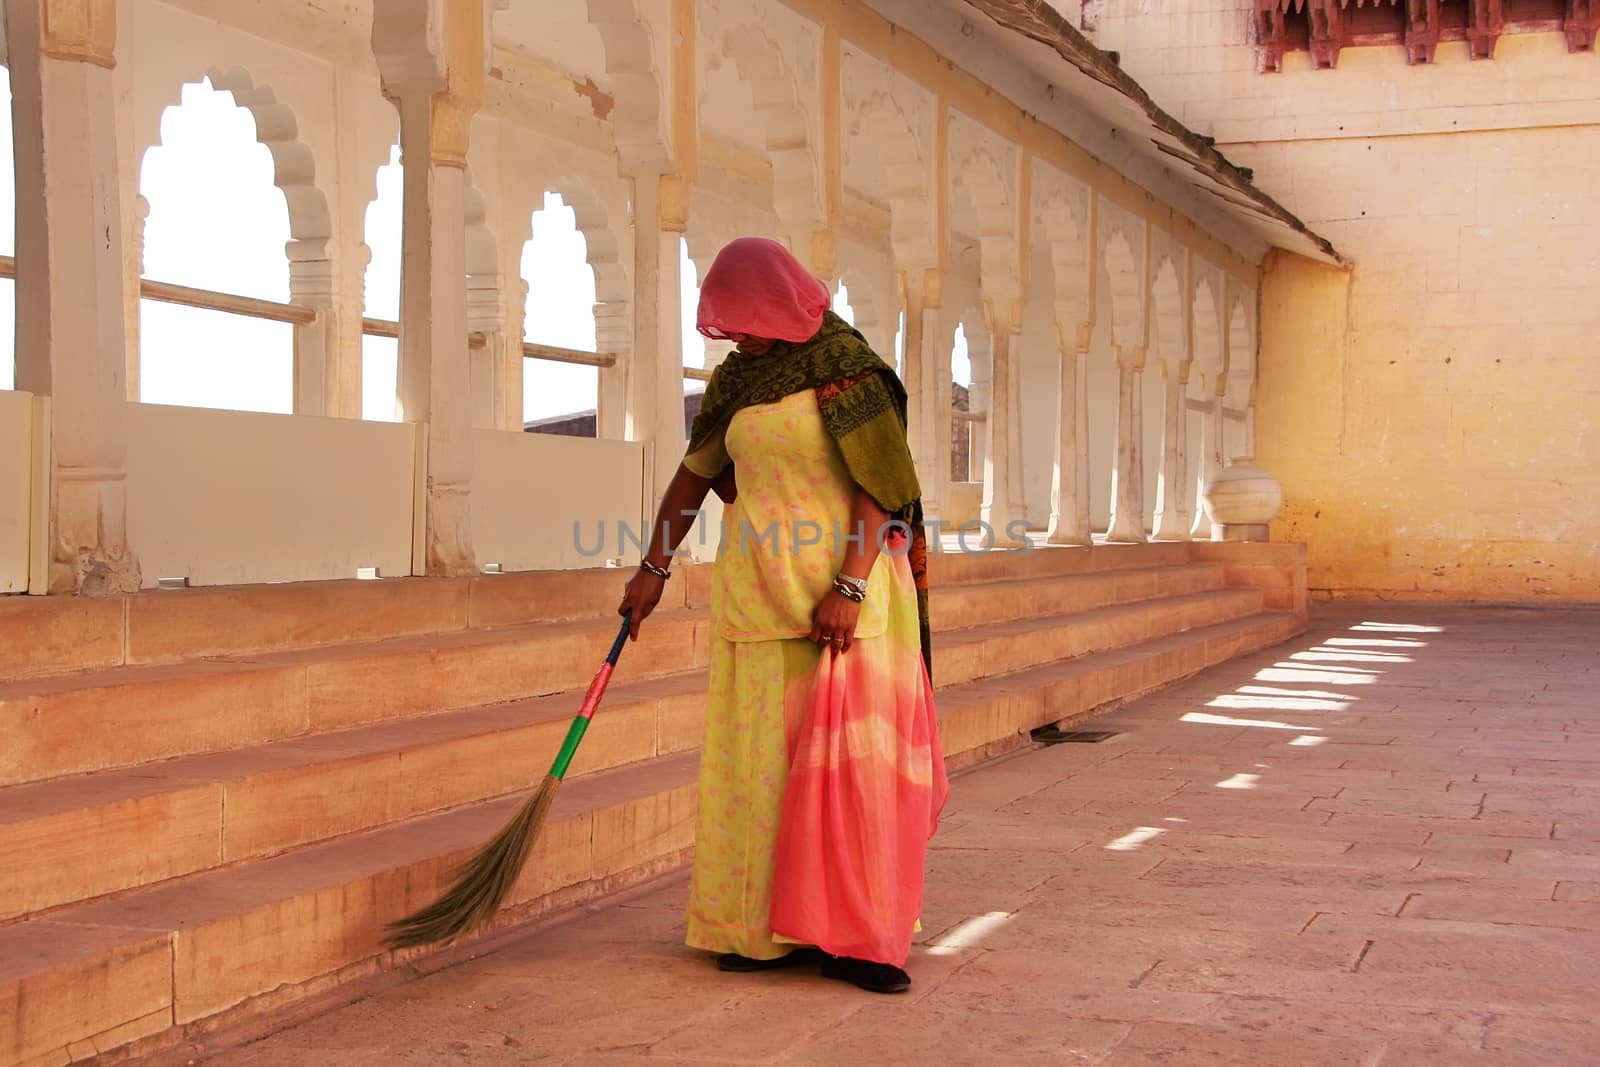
pixel 863 406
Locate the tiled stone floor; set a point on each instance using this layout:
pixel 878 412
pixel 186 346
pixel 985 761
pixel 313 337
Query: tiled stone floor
pixel 1377 844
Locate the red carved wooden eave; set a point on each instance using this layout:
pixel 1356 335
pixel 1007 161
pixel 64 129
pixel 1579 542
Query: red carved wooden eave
pixel 1323 27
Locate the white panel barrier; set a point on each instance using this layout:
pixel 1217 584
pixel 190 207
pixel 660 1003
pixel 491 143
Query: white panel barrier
pixel 545 502
pixel 232 497
pixel 963 504
pixel 16 484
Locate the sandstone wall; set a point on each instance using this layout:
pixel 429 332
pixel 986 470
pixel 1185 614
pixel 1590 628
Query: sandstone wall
pixel 1433 414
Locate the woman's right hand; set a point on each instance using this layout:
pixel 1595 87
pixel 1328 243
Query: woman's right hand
pixel 640 597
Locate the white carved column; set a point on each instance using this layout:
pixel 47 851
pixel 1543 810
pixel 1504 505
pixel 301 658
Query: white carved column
pixel 1127 490
pixel 72 337
pixel 654 412
pixel 1209 462
pixel 613 334
pixel 313 283
pixel 1000 498
pixel 486 318
pixel 1172 521
pixel 1069 486
pixel 132 275
pixel 927 381
pixel 435 79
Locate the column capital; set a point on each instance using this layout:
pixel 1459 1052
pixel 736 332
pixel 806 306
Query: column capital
pixel 435 50
pixel 1082 337
pixel 673 192
pixel 825 254
pixel 81 31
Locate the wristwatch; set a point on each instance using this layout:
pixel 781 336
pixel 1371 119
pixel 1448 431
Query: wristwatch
pixel 858 584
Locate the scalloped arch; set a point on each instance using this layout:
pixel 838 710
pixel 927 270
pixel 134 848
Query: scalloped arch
pixel 1166 309
pixel 293 163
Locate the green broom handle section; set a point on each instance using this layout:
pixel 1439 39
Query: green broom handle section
pixel 591 702
pixel 569 747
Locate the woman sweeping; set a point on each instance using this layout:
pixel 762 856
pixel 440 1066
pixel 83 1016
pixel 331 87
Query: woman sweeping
pixel 821 776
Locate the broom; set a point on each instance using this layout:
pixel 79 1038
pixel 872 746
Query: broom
pixel 483 881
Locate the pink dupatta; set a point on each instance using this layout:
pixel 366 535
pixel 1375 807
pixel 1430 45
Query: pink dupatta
pixel 865 789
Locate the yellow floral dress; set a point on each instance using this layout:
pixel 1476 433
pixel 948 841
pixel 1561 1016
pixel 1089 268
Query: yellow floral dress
pixel 784 540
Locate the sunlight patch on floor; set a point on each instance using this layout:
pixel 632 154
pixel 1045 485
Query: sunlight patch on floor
pixel 1334 655
pixel 1135 838
pixel 969 933
pixel 1240 781
pixel 1285 703
pixel 1289 672
pixel 1397 628
pixel 1374 642
pixel 1208 719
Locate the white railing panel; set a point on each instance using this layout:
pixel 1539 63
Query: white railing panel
pixel 16 478
pixel 233 497
pixel 528 489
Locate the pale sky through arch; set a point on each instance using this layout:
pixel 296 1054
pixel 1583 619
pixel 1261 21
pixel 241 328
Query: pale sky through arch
pixel 218 221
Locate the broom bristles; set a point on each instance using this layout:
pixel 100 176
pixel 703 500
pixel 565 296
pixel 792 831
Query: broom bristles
pixel 482 882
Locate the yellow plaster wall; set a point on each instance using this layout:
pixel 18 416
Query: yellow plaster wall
pixel 234 497
pixel 16 476
pixel 1433 414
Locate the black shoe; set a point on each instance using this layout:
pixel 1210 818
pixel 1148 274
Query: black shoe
pixel 873 977
pixel 732 961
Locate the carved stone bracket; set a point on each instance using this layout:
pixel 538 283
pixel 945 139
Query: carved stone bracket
pixel 1582 23
pixel 1271 37
pixel 1422 30
pixel 1324 27
pixel 1326 34
pixel 1485 21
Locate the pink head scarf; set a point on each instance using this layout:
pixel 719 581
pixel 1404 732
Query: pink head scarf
pixel 756 287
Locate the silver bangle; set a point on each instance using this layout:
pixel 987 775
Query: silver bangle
pixel 858 584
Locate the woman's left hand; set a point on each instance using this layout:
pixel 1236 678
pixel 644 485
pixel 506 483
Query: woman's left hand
pixel 833 624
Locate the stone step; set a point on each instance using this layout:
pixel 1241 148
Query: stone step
pixel 989 716
pixel 199 812
pixel 980 652
pixel 1012 599
pixel 147 963
pixel 124 716
pixel 107 973
pixel 220 808
pixel 61 634
pixel 56 635
pixel 955 567
pixel 127 716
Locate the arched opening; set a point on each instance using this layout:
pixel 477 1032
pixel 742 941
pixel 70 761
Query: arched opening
pixel 1204 373
pixel 962 429
pixel 900 345
pixel 841 304
pixel 380 356
pixel 1162 360
pixel 557 397
pixel 1038 363
pixel 699 352
pixel 217 222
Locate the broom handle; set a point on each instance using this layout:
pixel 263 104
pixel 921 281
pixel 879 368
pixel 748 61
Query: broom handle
pixel 591 702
